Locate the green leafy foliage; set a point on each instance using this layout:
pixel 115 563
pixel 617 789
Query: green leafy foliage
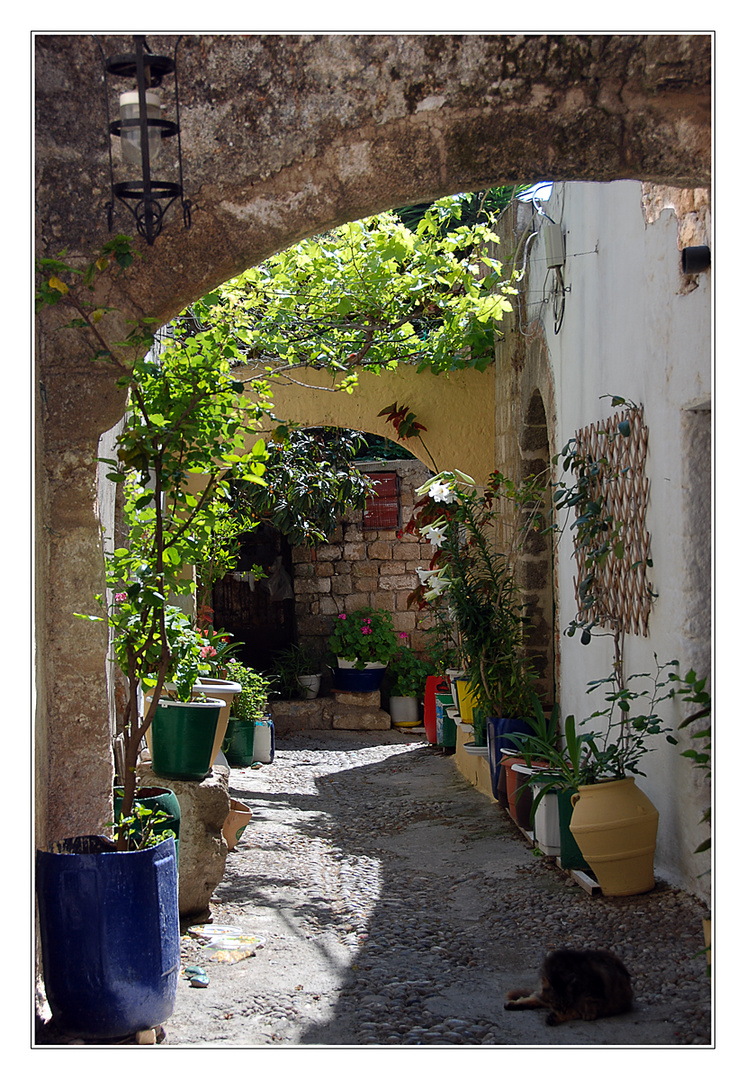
pixel 370 294
pixel 251 703
pixel 408 673
pixel 290 664
pixel 310 481
pixel 141 828
pixel 581 500
pixel 187 418
pixel 693 690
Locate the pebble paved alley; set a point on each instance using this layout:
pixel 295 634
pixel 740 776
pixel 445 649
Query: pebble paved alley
pixel 394 905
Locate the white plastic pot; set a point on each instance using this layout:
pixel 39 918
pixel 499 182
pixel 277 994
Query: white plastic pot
pixel 547 822
pixel 310 684
pixel 404 711
pixel 348 664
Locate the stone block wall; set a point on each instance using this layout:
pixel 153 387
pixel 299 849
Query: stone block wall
pixel 362 567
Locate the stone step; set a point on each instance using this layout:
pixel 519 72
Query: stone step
pixel 358 718
pixel 352 712
pixel 370 700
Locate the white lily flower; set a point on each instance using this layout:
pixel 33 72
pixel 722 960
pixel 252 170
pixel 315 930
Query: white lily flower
pixel 437 586
pixel 425 575
pixel 434 534
pixel 442 493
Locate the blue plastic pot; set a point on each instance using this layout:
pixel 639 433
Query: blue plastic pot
pixel 109 927
pixel 498 728
pixel 352 681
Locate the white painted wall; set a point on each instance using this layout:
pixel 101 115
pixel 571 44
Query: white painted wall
pixel 631 329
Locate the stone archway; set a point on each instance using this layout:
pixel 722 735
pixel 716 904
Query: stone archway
pixel 285 136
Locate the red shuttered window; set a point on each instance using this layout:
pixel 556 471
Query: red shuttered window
pixel 382 508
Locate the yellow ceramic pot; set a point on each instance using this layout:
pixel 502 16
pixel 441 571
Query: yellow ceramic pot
pixel 466 699
pixel 615 825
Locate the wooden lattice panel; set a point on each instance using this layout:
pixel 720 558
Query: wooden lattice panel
pixel 621 590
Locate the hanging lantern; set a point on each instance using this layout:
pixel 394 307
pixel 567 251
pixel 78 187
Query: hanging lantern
pixel 142 130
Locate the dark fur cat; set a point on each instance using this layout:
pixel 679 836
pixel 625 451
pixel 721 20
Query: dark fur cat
pixel 578 984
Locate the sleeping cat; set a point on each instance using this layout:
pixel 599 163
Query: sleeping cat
pixel 578 984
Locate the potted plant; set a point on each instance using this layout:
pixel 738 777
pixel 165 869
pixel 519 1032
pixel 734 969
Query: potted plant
pixel 363 643
pixel 248 706
pixel 613 822
pixel 296 672
pixel 156 811
pixel 108 908
pixel 408 673
pixel 475 576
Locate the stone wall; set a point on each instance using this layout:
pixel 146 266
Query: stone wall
pixel 363 567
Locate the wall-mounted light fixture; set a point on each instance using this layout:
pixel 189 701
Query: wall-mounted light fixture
pixel 141 130
pixel 554 248
pixel 694 260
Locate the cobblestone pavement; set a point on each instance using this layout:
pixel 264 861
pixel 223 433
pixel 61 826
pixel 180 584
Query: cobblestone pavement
pixel 397 905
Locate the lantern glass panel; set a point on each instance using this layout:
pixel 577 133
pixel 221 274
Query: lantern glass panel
pixel 129 110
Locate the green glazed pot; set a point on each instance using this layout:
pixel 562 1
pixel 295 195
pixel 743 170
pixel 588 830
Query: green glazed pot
pixel 183 733
pixel 238 745
pixel 571 857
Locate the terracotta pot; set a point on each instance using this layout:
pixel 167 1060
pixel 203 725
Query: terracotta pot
pixel 615 826
pixel 238 818
pixel 519 804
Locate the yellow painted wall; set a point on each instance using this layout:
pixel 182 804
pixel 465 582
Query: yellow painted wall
pixel 458 411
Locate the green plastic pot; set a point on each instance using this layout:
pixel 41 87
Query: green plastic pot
pixel 571 857
pixel 238 745
pixel 155 798
pixel 183 733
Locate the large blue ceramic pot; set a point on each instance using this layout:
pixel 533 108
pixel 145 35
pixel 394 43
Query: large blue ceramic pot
pixel 498 730
pixel 351 680
pixel 109 927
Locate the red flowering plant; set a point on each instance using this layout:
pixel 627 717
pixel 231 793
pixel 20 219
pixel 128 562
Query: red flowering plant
pixel 216 649
pixel 366 636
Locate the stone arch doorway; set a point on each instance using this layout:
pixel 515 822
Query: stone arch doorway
pixel 285 136
pixel 535 571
